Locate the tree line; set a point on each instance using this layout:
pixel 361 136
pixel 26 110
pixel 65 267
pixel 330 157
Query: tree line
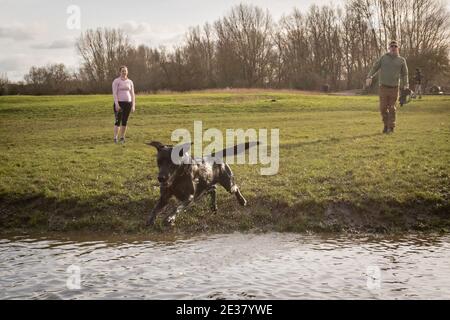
pixel 323 47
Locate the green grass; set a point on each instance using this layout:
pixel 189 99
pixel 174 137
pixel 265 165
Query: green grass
pixel 60 170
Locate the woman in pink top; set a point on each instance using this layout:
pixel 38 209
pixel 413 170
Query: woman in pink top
pixel 124 102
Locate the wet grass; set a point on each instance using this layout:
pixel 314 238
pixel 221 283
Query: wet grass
pixel 60 170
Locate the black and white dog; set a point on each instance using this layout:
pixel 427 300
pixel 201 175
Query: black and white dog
pixel 188 181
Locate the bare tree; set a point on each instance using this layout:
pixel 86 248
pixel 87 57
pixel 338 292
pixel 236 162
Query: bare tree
pixel 245 34
pixel 245 48
pixel 421 26
pixel 293 46
pixel 199 50
pixel 3 84
pixel 51 79
pixel 102 52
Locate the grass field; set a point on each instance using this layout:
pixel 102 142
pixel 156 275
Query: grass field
pixel 60 170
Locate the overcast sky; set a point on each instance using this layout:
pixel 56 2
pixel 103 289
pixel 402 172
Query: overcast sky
pixel 35 32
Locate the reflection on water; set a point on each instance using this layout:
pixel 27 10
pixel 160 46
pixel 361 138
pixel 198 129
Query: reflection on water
pixel 231 266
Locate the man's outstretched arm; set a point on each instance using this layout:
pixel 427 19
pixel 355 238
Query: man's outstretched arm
pixel 404 75
pixel 373 71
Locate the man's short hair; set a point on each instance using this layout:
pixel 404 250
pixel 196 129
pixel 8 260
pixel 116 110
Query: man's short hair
pixel 393 43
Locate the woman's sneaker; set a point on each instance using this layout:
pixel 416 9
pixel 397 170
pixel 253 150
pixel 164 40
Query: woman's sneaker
pixel 122 140
pixel 115 140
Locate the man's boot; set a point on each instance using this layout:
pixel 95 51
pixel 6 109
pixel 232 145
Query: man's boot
pixel 385 130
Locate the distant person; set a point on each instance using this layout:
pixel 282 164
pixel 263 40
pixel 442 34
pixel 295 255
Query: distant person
pixel 418 80
pixel 436 90
pixel 392 69
pixel 325 87
pixel 124 103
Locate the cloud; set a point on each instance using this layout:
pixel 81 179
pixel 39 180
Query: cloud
pixel 168 41
pixel 16 65
pixel 154 35
pixel 57 44
pixel 10 63
pixel 18 32
pixel 134 28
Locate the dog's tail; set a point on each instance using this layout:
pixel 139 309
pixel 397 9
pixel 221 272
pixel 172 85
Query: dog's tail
pixel 235 150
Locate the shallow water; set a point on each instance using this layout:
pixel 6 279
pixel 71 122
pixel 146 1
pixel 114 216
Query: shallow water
pixel 230 266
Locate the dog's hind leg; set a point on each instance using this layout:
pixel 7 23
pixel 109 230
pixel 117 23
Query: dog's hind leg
pixel 226 180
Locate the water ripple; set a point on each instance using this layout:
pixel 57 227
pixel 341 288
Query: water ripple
pixel 231 266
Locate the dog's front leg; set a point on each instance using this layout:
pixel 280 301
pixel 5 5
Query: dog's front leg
pixel 213 195
pixel 170 218
pixel 240 198
pixel 226 179
pixel 162 202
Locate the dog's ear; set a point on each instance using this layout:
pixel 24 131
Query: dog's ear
pixel 158 145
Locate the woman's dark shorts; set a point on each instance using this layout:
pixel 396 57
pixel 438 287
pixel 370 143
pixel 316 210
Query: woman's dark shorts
pixel 121 117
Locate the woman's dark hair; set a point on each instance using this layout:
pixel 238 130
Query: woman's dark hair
pixel 121 67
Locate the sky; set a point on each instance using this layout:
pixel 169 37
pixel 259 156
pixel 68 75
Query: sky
pixel 36 32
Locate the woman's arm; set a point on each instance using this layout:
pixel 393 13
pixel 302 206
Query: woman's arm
pixel 114 90
pixel 133 97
